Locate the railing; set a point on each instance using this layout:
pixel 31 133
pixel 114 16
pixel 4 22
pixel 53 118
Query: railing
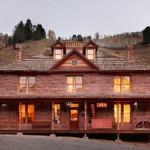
pixel 106 122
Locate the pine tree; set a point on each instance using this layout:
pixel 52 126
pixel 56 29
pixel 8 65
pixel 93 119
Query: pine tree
pixel 146 35
pixel 39 32
pixel 79 37
pixel 19 33
pixel 29 30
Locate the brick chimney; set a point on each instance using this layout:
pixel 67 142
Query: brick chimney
pixel 18 49
pixel 130 53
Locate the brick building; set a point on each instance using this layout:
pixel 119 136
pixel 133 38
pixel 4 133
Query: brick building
pixel 76 90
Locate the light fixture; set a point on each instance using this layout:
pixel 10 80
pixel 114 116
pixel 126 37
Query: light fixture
pixel 135 104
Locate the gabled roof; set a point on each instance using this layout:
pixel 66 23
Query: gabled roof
pixel 89 44
pixel 47 66
pixel 58 43
pixel 74 51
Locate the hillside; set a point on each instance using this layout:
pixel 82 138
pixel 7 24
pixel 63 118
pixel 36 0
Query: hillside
pixel 41 49
pixel 121 40
pixel 30 49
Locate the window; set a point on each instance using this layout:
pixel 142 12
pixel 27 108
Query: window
pixel 58 54
pixel 56 111
pixel 27 84
pixel 74 84
pixel 122 84
pixel 122 113
pixel 26 113
pixel 90 54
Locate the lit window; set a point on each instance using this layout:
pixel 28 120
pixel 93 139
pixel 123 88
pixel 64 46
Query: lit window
pixel 74 84
pixel 126 113
pixel 90 54
pixel 58 54
pixel 27 84
pixel 122 113
pixel 26 114
pixel 122 84
pixel 56 111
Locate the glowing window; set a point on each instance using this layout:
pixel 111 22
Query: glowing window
pixel 56 111
pixel 74 83
pixel 90 54
pixel 122 113
pixel 58 54
pixel 26 113
pixel 122 84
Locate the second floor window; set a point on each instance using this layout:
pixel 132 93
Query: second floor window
pixel 90 54
pixel 122 84
pixel 58 54
pixel 74 84
pixel 27 84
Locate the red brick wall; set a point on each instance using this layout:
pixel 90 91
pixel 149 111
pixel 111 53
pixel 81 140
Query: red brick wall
pixel 93 84
pixel 141 83
pixel 8 116
pixel 8 84
pixel 55 84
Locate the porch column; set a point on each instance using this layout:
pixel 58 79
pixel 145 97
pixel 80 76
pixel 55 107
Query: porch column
pixel 52 121
pixel 20 116
pixel 85 115
pixel 118 116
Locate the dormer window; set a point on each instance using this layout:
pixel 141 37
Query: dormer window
pixel 58 54
pixel 90 54
pixel 58 50
pixel 90 50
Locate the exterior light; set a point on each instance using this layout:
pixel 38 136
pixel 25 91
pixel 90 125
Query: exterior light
pixel 135 104
pixel 4 105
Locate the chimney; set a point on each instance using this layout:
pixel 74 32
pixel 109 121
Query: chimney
pixel 18 48
pixel 130 53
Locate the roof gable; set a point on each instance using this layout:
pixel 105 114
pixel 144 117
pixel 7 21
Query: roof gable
pixel 74 61
pixel 58 44
pixel 91 44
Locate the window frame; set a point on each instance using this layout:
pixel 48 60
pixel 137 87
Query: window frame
pixel 27 85
pixel 56 112
pixel 93 55
pixel 121 84
pixel 26 114
pixel 55 54
pixel 121 114
pixel 74 83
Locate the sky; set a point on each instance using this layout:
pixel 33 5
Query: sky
pixel 68 17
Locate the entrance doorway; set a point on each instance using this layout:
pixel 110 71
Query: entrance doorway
pixel 74 118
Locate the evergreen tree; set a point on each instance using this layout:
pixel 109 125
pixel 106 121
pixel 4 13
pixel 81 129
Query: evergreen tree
pixel 39 32
pixel 19 33
pixel 28 30
pixel 146 35
pixel 10 41
pixel 74 37
pixel 79 37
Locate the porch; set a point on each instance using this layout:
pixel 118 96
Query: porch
pixel 75 116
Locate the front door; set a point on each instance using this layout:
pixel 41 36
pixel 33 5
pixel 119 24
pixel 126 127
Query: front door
pixel 74 118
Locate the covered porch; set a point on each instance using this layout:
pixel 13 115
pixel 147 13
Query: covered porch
pixel 75 116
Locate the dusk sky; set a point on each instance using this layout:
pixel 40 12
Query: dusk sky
pixel 67 17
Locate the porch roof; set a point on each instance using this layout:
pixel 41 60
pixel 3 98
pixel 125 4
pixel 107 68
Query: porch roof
pixel 79 96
